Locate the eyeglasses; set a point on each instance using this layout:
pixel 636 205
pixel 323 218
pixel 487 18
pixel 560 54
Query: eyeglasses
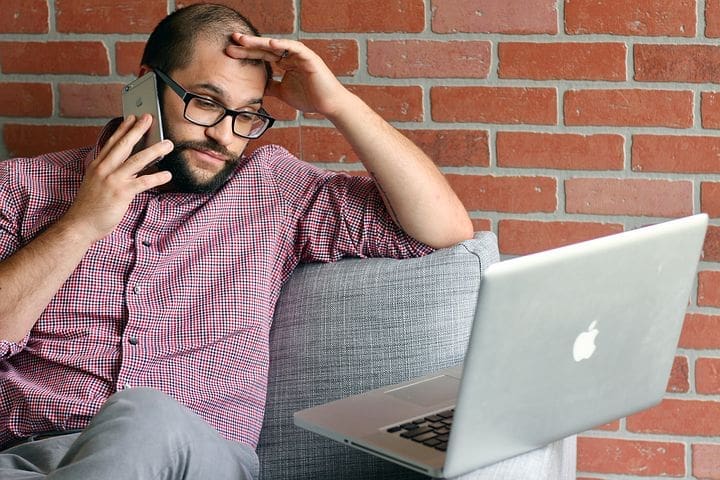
pixel 206 112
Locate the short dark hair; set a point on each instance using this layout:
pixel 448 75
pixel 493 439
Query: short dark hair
pixel 171 44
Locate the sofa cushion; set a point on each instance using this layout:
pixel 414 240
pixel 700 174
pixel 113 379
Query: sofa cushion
pixel 351 326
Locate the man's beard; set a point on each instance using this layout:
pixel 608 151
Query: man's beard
pixel 184 179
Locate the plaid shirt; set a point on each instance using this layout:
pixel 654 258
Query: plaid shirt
pixel 180 296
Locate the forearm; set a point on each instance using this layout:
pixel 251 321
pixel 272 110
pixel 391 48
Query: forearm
pixel 31 277
pixel 415 192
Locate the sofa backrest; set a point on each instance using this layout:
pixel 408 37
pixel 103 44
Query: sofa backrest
pixel 351 326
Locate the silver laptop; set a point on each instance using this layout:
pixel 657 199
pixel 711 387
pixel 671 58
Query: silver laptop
pixel 562 341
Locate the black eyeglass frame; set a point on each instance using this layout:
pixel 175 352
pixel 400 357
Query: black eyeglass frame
pixel 186 97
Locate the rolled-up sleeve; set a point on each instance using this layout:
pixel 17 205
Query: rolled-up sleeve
pixel 338 214
pixel 9 238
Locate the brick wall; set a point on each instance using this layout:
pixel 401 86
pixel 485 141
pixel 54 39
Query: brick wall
pixel 556 121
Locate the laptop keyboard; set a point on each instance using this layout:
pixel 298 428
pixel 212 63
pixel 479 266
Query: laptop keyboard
pixel 433 430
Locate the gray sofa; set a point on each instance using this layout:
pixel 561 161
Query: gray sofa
pixel 351 326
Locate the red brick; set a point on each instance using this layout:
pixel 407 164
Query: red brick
pixel 393 103
pixel 287 137
pixel 108 16
pixel 279 109
pixel 26 100
pixel 565 151
pixel 505 194
pixel 700 332
pixel 678 417
pixel 509 16
pixel 326 145
pixel 629 107
pixel 712 18
pixel 630 457
pixel 711 248
pixel 710 198
pixel 677 63
pixel 613 426
pixel 707 380
pixel 481 225
pixel 710 109
pixel 709 288
pixel 706 461
pixel 340 55
pixel 520 237
pixel 24 16
pixel 562 61
pixel 268 16
pixel 672 18
pixel 675 154
pixel 90 58
pixel 90 100
pixel 513 105
pixel 128 56
pixel 429 59
pixel 32 140
pixel 444 147
pixel 453 148
pixel 364 16
pixel 679 381
pixel 636 197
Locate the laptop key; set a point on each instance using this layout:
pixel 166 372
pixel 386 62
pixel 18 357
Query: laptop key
pixel 395 429
pixel 433 418
pixel 442 446
pixel 408 426
pixel 424 437
pixel 416 432
pixel 432 442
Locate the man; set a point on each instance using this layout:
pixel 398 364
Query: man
pixel 136 298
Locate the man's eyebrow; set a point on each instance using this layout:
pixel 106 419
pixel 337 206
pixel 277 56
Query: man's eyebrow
pixel 221 93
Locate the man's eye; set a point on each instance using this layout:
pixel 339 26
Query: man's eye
pixel 206 104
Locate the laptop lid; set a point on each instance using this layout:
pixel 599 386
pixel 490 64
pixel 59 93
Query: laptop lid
pixel 572 338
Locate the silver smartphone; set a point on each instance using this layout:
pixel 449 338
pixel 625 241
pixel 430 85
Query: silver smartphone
pixel 141 96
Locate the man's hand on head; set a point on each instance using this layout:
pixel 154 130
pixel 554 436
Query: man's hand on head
pixel 307 84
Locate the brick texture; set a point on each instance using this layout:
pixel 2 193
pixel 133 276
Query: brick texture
pixel 611 196
pixel 677 63
pixel 24 16
pixel 562 61
pixel 644 458
pixel 556 121
pixel 108 16
pixel 494 105
pixel 560 151
pixel 671 18
pixel 509 16
pixel 635 108
pixel 409 59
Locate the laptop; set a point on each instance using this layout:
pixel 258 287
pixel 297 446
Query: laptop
pixel 562 341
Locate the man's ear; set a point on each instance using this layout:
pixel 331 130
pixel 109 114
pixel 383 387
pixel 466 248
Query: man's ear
pixel 143 70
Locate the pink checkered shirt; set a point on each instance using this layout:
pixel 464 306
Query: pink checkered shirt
pixel 180 296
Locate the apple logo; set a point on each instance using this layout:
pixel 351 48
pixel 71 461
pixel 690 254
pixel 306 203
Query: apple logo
pixel 584 345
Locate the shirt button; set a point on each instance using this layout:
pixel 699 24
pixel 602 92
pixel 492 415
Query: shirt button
pixel 133 340
pixel 146 243
pixel 136 289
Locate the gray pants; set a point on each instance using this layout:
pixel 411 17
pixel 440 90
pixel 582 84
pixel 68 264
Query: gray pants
pixel 138 434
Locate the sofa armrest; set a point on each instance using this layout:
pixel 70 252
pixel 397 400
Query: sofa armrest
pixel 351 326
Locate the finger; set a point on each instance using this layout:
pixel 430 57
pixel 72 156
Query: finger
pixel 271 49
pixel 121 130
pixel 151 180
pixel 140 161
pixel 123 143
